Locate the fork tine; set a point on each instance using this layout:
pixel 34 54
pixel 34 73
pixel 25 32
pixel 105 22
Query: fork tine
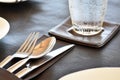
pixel 27 41
pixel 28 44
pixel 31 46
pixel 30 51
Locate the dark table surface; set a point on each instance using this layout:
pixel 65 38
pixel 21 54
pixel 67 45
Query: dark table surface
pixel 42 15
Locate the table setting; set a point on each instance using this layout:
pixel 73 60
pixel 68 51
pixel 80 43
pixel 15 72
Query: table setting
pixel 47 40
pixel 41 50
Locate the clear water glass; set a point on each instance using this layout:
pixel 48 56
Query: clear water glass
pixel 87 16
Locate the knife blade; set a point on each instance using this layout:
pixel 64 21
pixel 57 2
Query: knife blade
pixel 37 63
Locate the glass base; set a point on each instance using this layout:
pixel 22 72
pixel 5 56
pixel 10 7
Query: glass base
pixel 88 31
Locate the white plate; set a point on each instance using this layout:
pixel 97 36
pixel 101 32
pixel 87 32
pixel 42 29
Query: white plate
pixel 12 1
pixel 106 73
pixel 4 27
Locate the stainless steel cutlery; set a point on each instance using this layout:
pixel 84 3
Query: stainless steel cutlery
pixel 28 51
pixel 33 65
pixel 40 50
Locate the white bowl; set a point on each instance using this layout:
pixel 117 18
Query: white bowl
pixel 105 73
pixel 12 1
pixel 4 27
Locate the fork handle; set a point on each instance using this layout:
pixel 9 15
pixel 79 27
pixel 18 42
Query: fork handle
pixel 5 61
pixel 23 72
pixel 17 65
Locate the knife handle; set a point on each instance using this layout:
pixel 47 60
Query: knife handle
pixel 17 65
pixel 5 61
pixel 23 72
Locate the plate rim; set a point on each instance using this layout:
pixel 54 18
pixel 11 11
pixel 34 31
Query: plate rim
pixel 8 26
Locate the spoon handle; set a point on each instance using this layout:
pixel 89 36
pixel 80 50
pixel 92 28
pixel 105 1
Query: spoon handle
pixel 17 65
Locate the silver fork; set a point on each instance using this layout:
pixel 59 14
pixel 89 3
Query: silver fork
pixel 25 49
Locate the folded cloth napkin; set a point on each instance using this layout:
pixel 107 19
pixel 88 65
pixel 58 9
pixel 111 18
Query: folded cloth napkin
pixel 5 75
pixel 61 32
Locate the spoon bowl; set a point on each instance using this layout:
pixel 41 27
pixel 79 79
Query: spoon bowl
pixel 43 48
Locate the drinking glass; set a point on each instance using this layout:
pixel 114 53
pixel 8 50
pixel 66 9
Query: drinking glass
pixel 87 16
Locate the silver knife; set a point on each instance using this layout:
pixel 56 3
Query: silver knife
pixel 40 62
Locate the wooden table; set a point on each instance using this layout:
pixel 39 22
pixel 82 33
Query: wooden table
pixel 42 15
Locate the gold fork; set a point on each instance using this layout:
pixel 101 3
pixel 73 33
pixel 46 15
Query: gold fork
pixel 25 49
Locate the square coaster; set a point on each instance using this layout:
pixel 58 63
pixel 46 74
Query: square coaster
pixel 61 32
